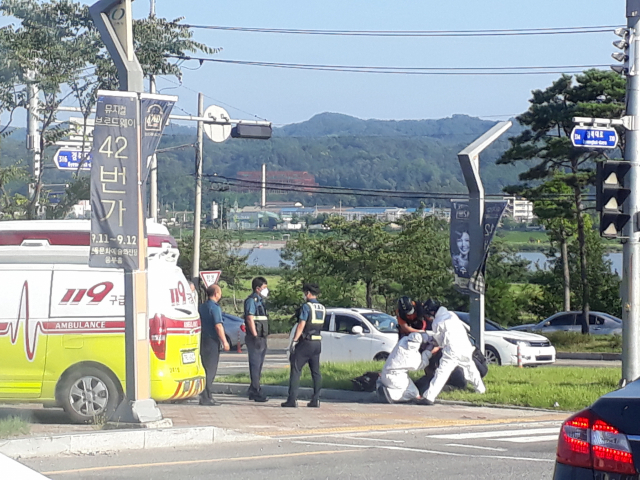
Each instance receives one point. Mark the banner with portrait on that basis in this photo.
(470, 278)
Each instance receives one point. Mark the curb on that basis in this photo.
(304, 393)
(123, 440)
(588, 356)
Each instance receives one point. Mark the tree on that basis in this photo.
(553, 207)
(54, 46)
(219, 250)
(546, 140)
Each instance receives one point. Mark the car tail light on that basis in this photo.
(243, 328)
(158, 336)
(589, 442)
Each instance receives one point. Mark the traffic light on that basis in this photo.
(248, 130)
(622, 56)
(611, 192)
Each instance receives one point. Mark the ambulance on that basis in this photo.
(62, 323)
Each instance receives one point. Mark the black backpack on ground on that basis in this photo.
(366, 382)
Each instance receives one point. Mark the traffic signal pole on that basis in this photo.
(631, 248)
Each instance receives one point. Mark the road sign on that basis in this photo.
(217, 133)
(594, 137)
(70, 158)
(211, 277)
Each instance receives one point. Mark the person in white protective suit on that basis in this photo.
(449, 332)
(407, 356)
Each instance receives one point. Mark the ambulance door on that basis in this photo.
(25, 292)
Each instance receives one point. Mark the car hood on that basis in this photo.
(516, 335)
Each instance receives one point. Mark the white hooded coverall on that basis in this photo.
(404, 358)
(452, 336)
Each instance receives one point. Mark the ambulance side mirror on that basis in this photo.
(357, 330)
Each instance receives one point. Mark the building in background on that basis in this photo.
(289, 180)
(520, 209)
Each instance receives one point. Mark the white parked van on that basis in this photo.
(62, 323)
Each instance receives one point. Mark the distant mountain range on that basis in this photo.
(342, 151)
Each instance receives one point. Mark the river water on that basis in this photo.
(270, 257)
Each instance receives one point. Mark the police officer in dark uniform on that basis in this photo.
(306, 345)
(257, 324)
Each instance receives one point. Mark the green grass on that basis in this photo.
(13, 426)
(571, 388)
(576, 342)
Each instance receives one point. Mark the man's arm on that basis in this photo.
(222, 337)
(249, 314)
(299, 330)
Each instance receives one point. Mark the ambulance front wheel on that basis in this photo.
(88, 395)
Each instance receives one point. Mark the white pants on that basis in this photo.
(398, 387)
(448, 363)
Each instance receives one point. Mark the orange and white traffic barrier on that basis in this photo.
(519, 355)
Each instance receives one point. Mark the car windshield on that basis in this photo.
(489, 325)
(381, 321)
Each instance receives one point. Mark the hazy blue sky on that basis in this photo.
(286, 96)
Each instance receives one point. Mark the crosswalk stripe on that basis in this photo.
(497, 433)
(541, 438)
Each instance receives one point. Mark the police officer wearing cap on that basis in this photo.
(410, 317)
(306, 345)
(257, 324)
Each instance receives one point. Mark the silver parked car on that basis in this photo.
(234, 329)
(599, 324)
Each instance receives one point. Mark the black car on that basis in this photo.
(602, 442)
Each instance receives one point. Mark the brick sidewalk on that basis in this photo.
(270, 419)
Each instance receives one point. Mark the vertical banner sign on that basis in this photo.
(155, 111)
(470, 278)
(114, 182)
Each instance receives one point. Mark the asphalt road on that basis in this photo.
(232, 362)
(524, 451)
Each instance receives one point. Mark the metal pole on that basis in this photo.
(33, 137)
(263, 198)
(153, 178)
(631, 248)
(195, 269)
(469, 159)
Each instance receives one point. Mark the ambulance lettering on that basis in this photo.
(32, 328)
(96, 293)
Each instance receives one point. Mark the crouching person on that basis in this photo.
(410, 354)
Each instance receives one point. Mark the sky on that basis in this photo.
(286, 96)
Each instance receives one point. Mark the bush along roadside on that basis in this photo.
(576, 342)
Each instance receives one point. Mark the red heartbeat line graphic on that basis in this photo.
(30, 330)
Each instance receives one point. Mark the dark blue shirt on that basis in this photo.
(210, 316)
(306, 310)
(251, 305)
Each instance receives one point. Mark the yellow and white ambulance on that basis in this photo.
(62, 323)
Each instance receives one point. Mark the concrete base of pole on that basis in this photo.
(136, 411)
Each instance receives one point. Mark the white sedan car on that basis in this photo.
(357, 334)
(501, 345)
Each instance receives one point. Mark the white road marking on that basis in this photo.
(435, 452)
(476, 446)
(374, 439)
(496, 434)
(542, 438)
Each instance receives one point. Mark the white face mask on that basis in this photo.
(264, 292)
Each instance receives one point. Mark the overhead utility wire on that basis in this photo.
(335, 190)
(519, 70)
(418, 33)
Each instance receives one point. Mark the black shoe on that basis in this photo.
(289, 404)
(424, 401)
(260, 398)
(208, 402)
(314, 404)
